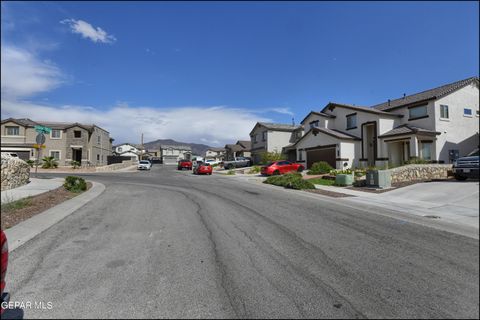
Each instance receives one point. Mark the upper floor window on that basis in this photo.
(12, 131)
(417, 112)
(264, 135)
(314, 124)
(119, 149)
(254, 138)
(56, 134)
(443, 112)
(352, 121)
(467, 112)
(77, 134)
(98, 139)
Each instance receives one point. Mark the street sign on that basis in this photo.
(40, 139)
(43, 129)
(38, 146)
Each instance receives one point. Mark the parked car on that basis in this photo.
(281, 167)
(237, 162)
(212, 162)
(184, 164)
(4, 259)
(144, 165)
(467, 167)
(202, 168)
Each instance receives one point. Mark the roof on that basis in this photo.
(407, 129)
(426, 95)
(332, 105)
(279, 126)
(246, 144)
(234, 147)
(335, 133)
(216, 149)
(179, 147)
(53, 125)
(326, 115)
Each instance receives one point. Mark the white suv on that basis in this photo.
(144, 165)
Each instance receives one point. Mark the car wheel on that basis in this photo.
(460, 178)
(300, 169)
(276, 173)
(230, 166)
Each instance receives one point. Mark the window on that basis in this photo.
(55, 154)
(98, 139)
(417, 112)
(426, 150)
(264, 135)
(478, 113)
(300, 155)
(254, 138)
(119, 149)
(443, 112)
(314, 124)
(351, 121)
(467, 112)
(77, 134)
(98, 157)
(56, 134)
(12, 131)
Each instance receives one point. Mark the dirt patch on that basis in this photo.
(329, 193)
(35, 205)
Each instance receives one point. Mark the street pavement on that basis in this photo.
(169, 244)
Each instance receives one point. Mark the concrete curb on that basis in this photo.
(26, 230)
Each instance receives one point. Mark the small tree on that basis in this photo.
(271, 156)
(320, 168)
(49, 162)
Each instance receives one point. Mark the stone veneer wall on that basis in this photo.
(413, 172)
(14, 172)
(116, 166)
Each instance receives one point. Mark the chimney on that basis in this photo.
(404, 95)
(389, 102)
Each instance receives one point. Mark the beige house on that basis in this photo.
(240, 149)
(435, 125)
(273, 137)
(87, 144)
(216, 154)
(171, 154)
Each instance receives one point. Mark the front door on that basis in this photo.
(370, 144)
(77, 155)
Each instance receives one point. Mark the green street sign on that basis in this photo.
(43, 129)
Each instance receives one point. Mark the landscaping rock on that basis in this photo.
(14, 172)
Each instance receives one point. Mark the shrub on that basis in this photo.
(254, 169)
(231, 172)
(290, 180)
(75, 164)
(75, 184)
(49, 162)
(31, 163)
(320, 167)
(271, 157)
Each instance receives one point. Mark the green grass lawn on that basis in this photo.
(323, 182)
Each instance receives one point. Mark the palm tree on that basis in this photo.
(49, 162)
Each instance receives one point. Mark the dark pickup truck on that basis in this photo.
(466, 167)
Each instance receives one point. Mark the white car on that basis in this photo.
(212, 162)
(144, 165)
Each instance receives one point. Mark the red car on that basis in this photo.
(5, 296)
(281, 167)
(184, 164)
(203, 168)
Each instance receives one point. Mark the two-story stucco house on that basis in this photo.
(272, 137)
(240, 149)
(216, 154)
(171, 154)
(128, 150)
(87, 144)
(433, 125)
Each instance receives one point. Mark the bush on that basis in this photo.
(75, 164)
(271, 157)
(31, 163)
(231, 172)
(49, 162)
(254, 169)
(320, 168)
(290, 180)
(75, 184)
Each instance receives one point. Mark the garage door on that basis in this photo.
(170, 160)
(24, 155)
(327, 155)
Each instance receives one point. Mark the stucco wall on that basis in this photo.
(277, 140)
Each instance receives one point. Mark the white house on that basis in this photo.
(171, 154)
(433, 125)
(216, 154)
(128, 150)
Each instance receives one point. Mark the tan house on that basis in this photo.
(171, 154)
(87, 144)
(216, 154)
(239, 149)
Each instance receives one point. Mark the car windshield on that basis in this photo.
(270, 163)
(144, 162)
(474, 153)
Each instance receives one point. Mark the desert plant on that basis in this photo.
(75, 184)
(31, 163)
(320, 167)
(290, 180)
(49, 162)
(75, 164)
(254, 169)
(266, 157)
(231, 172)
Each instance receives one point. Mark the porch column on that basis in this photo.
(414, 147)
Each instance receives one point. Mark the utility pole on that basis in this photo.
(143, 149)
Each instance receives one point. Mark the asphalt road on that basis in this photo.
(168, 244)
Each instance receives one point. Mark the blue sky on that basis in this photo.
(207, 71)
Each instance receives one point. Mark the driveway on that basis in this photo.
(169, 244)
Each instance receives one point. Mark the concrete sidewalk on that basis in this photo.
(450, 201)
(35, 187)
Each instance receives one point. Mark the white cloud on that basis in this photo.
(282, 111)
(23, 74)
(86, 30)
(214, 126)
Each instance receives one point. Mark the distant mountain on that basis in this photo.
(197, 149)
